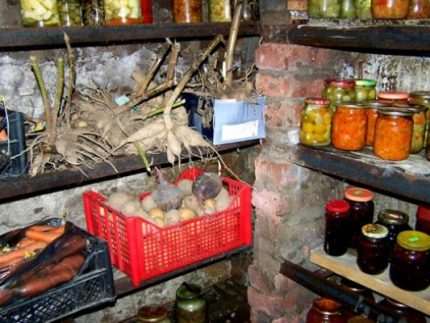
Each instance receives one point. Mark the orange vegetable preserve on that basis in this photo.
(372, 114)
(389, 9)
(349, 127)
(393, 134)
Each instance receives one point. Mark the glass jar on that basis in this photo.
(324, 8)
(353, 287)
(423, 219)
(93, 12)
(362, 9)
(146, 6)
(315, 122)
(36, 15)
(325, 310)
(393, 134)
(372, 249)
(187, 11)
(423, 98)
(347, 9)
(393, 97)
(190, 305)
(336, 236)
(152, 314)
(396, 222)
(361, 209)
(122, 12)
(390, 9)
(410, 261)
(419, 9)
(339, 91)
(349, 127)
(408, 315)
(372, 114)
(365, 90)
(70, 12)
(220, 11)
(418, 130)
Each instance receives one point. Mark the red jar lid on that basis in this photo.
(342, 83)
(391, 95)
(337, 206)
(319, 101)
(358, 194)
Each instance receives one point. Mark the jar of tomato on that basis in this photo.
(339, 91)
(365, 90)
(393, 134)
(315, 123)
(349, 127)
(187, 11)
(423, 98)
(336, 235)
(325, 310)
(393, 97)
(390, 9)
(418, 132)
(410, 261)
(372, 114)
(419, 9)
(122, 12)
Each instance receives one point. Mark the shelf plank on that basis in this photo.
(409, 178)
(346, 266)
(16, 38)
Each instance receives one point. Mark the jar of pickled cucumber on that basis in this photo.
(70, 12)
(324, 8)
(315, 124)
(390, 9)
(39, 13)
(362, 9)
(347, 9)
(418, 132)
(187, 11)
(365, 90)
(349, 127)
(93, 12)
(423, 98)
(220, 11)
(339, 91)
(393, 97)
(122, 12)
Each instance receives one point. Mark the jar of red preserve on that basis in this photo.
(336, 227)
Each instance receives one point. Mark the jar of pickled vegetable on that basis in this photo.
(325, 310)
(146, 6)
(339, 91)
(390, 9)
(408, 315)
(393, 134)
(315, 123)
(362, 9)
(39, 13)
(372, 249)
(365, 90)
(336, 235)
(423, 98)
(187, 11)
(372, 114)
(349, 127)
(419, 9)
(93, 12)
(410, 261)
(190, 305)
(324, 8)
(418, 132)
(347, 9)
(220, 10)
(392, 97)
(122, 12)
(70, 12)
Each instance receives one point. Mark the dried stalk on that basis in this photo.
(59, 94)
(42, 87)
(234, 30)
(71, 80)
(171, 67)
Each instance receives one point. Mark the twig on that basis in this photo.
(58, 96)
(171, 67)
(71, 80)
(234, 30)
(42, 87)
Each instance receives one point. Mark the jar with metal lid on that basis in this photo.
(361, 209)
(392, 97)
(393, 134)
(423, 219)
(315, 123)
(152, 314)
(396, 221)
(372, 249)
(363, 9)
(372, 114)
(36, 14)
(93, 12)
(349, 127)
(187, 11)
(325, 310)
(390, 9)
(146, 6)
(419, 9)
(423, 98)
(220, 11)
(122, 12)
(410, 261)
(407, 314)
(190, 305)
(336, 236)
(339, 91)
(70, 12)
(365, 90)
(324, 8)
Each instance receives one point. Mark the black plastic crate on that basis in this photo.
(13, 159)
(91, 288)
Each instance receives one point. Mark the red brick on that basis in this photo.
(282, 112)
(276, 175)
(268, 202)
(282, 284)
(274, 306)
(259, 281)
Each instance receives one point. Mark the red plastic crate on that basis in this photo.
(142, 250)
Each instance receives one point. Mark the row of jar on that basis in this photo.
(368, 9)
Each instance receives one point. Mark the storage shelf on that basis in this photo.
(18, 38)
(346, 266)
(409, 178)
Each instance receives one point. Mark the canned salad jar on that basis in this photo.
(372, 114)
(349, 127)
(315, 122)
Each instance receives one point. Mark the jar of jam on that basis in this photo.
(396, 222)
(410, 261)
(187, 11)
(220, 11)
(365, 90)
(336, 236)
(315, 123)
(349, 127)
(190, 305)
(390, 9)
(152, 314)
(339, 91)
(93, 12)
(361, 209)
(423, 219)
(39, 16)
(419, 128)
(372, 249)
(406, 314)
(146, 6)
(122, 12)
(419, 9)
(372, 114)
(393, 97)
(363, 9)
(324, 8)
(70, 12)
(393, 134)
(325, 310)
(423, 98)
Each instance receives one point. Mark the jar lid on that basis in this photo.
(151, 313)
(327, 306)
(188, 291)
(421, 94)
(352, 286)
(373, 104)
(395, 112)
(396, 303)
(374, 230)
(414, 240)
(319, 101)
(337, 206)
(392, 95)
(358, 194)
(341, 83)
(389, 216)
(365, 82)
(350, 106)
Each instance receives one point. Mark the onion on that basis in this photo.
(167, 196)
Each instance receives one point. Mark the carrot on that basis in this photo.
(22, 251)
(41, 228)
(46, 236)
(11, 261)
(24, 242)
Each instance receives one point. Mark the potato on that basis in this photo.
(223, 202)
(172, 217)
(156, 213)
(209, 206)
(191, 202)
(186, 213)
(148, 203)
(115, 200)
(130, 207)
(185, 185)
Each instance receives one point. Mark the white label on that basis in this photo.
(239, 131)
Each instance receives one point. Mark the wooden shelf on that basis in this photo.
(346, 266)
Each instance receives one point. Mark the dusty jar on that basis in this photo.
(187, 11)
(149, 314)
(349, 127)
(70, 12)
(190, 305)
(315, 122)
(37, 15)
(122, 12)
